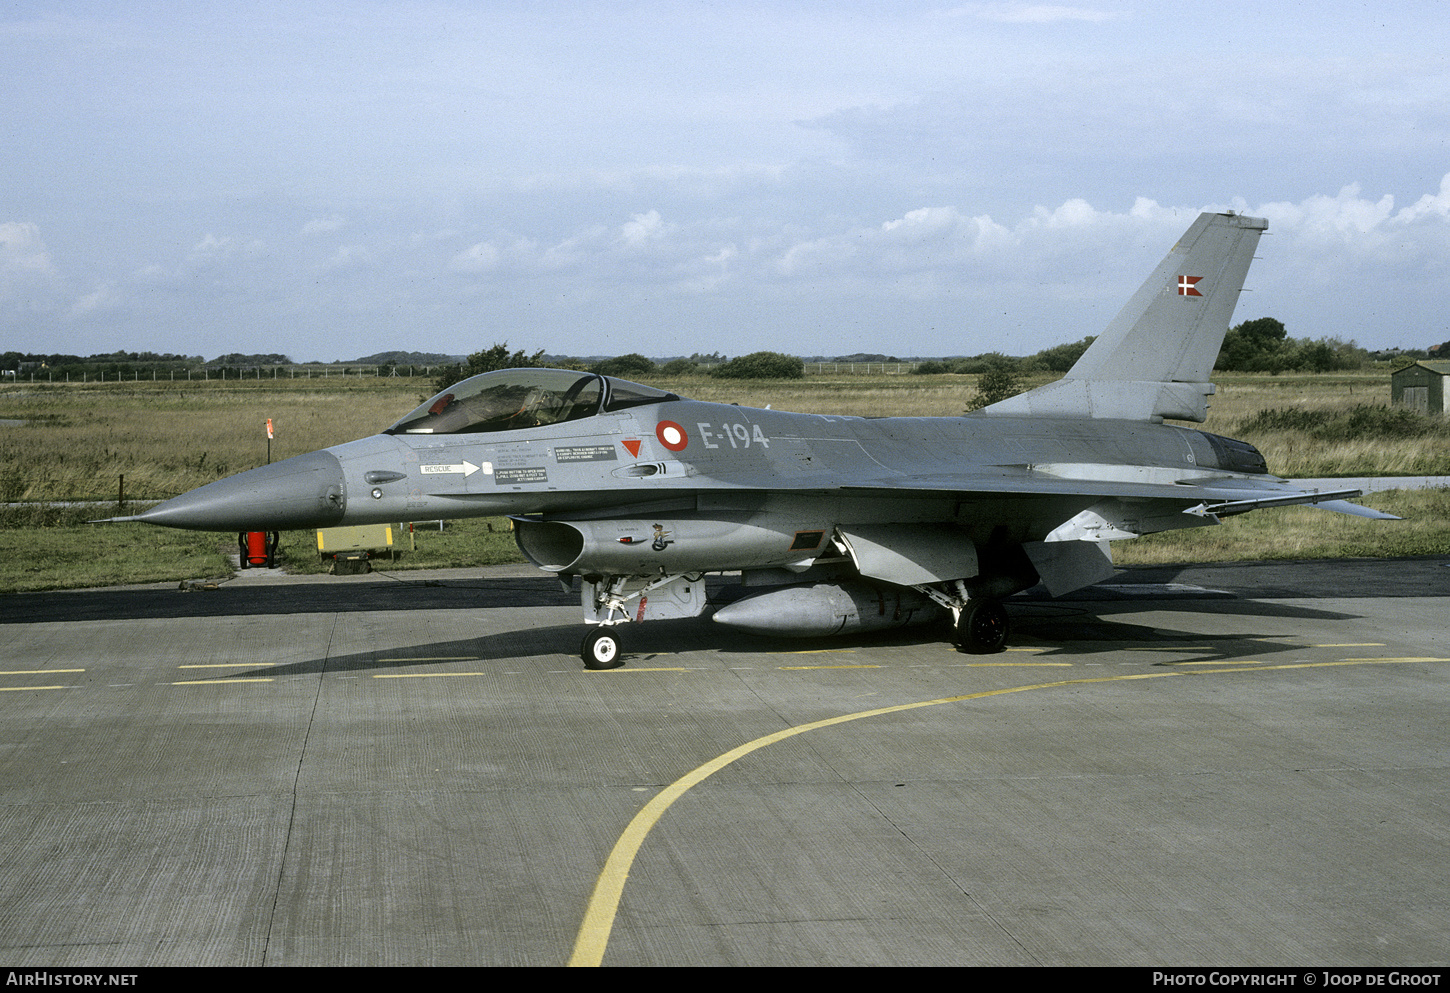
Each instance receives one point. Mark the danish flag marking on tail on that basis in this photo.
(1186, 286)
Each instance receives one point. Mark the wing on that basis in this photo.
(1071, 521)
(1220, 496)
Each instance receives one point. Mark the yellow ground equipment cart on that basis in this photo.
(353, 549)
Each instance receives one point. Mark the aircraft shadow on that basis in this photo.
(1079, 624)
(299, 598)
(1241, 583)
(1059, 630)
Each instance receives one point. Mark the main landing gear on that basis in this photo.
(979, 624)
(982, 627)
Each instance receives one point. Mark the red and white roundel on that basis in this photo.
(672, 436)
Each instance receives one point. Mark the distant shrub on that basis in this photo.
(626, 366)
(1364, 421)
(489, 360)
(761, 365)
(679, 367)
(995, 384)
(930, 368)
(1059, 358)
(977, 365)
(1284, 419)
(54, 515)
(1369, 420)
(1264, 346)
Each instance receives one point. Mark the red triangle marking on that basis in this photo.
(633, 446)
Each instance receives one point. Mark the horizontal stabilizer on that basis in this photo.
(1345, 507)
(1335, 500)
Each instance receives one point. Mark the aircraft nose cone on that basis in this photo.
(307, 491)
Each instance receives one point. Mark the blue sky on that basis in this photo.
(911, 178)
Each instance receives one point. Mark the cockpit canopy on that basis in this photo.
(513, 399)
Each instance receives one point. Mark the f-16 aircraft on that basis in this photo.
(835, 524)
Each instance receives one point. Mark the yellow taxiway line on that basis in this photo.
(593, 937)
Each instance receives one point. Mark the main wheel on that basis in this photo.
(601, 649)
(982, 628)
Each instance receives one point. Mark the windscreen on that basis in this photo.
(506, 400)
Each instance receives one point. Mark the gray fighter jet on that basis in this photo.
(835, 524)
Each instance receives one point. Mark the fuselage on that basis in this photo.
(659, 454)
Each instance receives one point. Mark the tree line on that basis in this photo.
(1261, 345)
(757, 365)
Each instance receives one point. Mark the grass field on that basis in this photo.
(69, 553)
(85, 442)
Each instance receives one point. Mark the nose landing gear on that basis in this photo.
(600, 649)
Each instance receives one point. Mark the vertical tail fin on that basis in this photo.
(1155, 358)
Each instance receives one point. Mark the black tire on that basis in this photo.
(601, 649)
(983, 628)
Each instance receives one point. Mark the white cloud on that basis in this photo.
(28, 279)
(482, 257)
(22, 253)
(349, 257)
(1350, 230)
(103, 297)
(945, 238)
(1429, 206)
(213, 251)
(1063, 271)
(642, 228)
(212, 247)
(576, 250)
(1074, 213)
(923, 223)
(1347, 217)
(819, 255)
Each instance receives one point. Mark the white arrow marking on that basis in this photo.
(467, 468)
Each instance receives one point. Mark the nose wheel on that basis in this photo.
(982, 628)
(601, 649)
